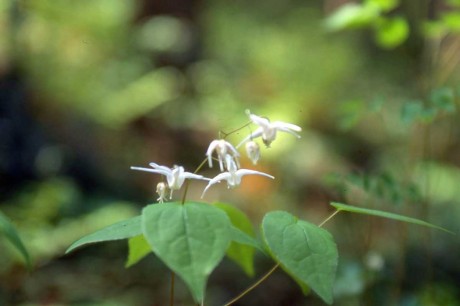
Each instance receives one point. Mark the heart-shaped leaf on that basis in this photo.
(242, 254)
(191, 239)
(304, 250)
(120, 230)
(138, 248)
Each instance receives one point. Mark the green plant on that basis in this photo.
(9, 231)
(191, 238)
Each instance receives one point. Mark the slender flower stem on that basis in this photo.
(234, 131)
(329, 218)
(250, 288)
(171, 291)
(188, 182)
(254, 285)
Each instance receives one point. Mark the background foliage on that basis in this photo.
(89, 88)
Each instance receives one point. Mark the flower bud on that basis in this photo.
(253, 151)
(161, 190)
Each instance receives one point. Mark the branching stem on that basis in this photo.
(233, 131)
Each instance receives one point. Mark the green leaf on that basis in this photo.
(384, 214)
(305, 251)
(191, 239)
(241, 237)
(240, 253)
(391, 32)
(120, 230)
(138, 249)
(7, 228)
(384, 5)
(351, 16)
(452, 21)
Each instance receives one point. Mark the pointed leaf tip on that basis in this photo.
(388, 215)
(120, 230)
(191, 239)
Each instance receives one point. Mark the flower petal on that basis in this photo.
(287, 130)
(280, 124)
(255, 134)
(156, 166)
(215, 180)
(189, 175)
(260, 121)
(163, 172)
(211, 148)
(243, 172)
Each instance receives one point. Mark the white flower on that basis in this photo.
(161, 190)
(253, 151)
(175, 176)
(222, 148)
(268, 129)
(233, 178)
(230, 164)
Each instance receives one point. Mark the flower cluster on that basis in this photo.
(227, 156)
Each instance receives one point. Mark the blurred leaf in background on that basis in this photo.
(105, 85)
(8, 230)
(389, 32)
(78, 56)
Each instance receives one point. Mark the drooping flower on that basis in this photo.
(174, 176)
(269, 129)
(161, 191)
(222, 148)
(253, 151)
(230, 164)
(233, 178)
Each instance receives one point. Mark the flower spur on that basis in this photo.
(174, 176)
(233, 176)
(269, 129)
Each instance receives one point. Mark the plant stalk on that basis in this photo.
(171, 291)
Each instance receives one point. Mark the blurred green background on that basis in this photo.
(89, 88)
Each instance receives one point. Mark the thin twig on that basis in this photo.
(253, 285)
(234, 131)
(188, 182)
(329, 218)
